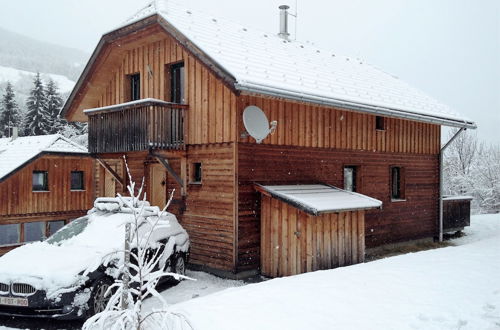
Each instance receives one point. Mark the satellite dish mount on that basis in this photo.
(256, 123)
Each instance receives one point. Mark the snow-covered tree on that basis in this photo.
(141, 268)
(9, 111)
(471, 168)
(37, 119)
(53, 106)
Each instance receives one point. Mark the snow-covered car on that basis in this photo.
(67, 275)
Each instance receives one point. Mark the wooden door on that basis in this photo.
(109, 188)
(157, 185)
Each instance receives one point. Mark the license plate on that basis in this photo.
(13, 301)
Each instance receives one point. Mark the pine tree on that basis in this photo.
(54, 105)
(9, 111)
(37, 120)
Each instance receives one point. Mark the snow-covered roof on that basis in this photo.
(317, 198)
(264, 63)
(16, 153)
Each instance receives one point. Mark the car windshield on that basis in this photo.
(72, 229)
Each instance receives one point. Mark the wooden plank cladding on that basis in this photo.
(412, 218)
(212, 115)
(308, 125)
(23, 201)
(294, 242)
(209, 217)
(143, 126)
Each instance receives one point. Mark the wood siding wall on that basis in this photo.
(210, 207)
(208, 211)
(306, 125)
(23, 201)
(416, 217)
(294, 242)
(211, 116)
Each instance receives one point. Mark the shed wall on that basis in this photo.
(294, 242)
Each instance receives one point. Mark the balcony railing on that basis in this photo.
(136, 126)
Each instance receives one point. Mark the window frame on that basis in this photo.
(48, 232)
(43, 226)
(71, 188)
(19, 234)
(356, 177)
(173, 84)
(380, 123)
(45, 186)
(401, 197)
(194, 175)
(130, 91)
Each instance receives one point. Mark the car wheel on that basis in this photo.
(99, 300)
(180, 266)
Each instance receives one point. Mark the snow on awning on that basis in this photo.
(316, 199)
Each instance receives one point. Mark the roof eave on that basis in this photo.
(359, 107)
(105, 39)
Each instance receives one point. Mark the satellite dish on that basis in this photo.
(256, 123)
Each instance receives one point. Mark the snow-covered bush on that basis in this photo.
(140, 269)
(471, 168)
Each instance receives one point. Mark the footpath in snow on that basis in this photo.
(457, 287)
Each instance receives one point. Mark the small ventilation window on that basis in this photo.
(196, 173)
(380, 123)
(397, 183)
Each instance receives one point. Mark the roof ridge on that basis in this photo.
(65, 139)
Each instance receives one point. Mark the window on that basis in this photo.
(34, 231)
(77, 180)
(54, 226)
(40, 181)
(397, 183)
(380, 123)
(350, 178)
(10, 234)
(196, 173)
(135, 86)
(177, 83)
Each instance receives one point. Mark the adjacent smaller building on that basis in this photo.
(45, 181)
(310, 227)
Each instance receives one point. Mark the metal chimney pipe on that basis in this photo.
(284, 22)
(13, 133)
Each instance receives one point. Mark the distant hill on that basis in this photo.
(24, 53)
(21, 57)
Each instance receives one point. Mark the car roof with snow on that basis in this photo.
(17, 152)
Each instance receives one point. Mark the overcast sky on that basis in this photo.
(450, 49)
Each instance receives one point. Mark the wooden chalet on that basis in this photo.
(44, 182)
(168, 88)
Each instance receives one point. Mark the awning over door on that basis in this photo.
(317, 199)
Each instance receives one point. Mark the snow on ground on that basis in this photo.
(202, 285)
(14, 75)
(456, 287)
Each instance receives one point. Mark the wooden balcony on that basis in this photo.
(136, 126)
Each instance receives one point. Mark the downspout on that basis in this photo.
(441, 180)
